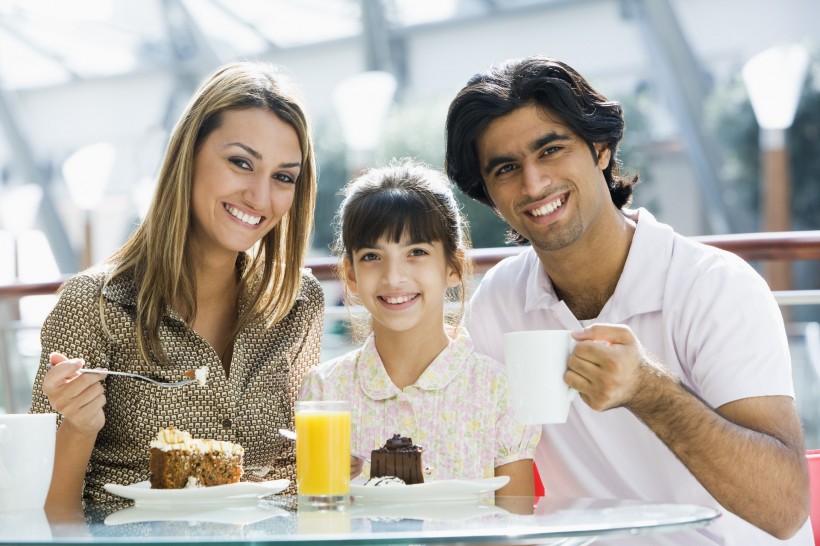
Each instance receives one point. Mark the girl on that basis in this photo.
(402, 247)
(213, 277)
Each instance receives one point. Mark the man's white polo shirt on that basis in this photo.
(705, 313)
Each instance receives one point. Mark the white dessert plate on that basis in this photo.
(142, 493)
(441, 490)
(243, 514)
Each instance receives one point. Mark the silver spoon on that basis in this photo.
(138, 376)
(290, 435)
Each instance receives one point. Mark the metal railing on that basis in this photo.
(787, 245)
(753, 247)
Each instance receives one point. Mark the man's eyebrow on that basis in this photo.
(549, 138)
(496, 161)
(537, 144)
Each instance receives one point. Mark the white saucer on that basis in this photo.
(142, 493)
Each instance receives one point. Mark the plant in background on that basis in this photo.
(632, 152)
(333, 174)
(416, 129)
(804, 144)
(732, 121)
(736, 129)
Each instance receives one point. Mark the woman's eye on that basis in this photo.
(241, 163)
(368, 257)
(284, 177)
(418, 252)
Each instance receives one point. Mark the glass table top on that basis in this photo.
(277, 519)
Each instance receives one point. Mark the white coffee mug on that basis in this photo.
(26, 459)
(25, 526)
(536, 362)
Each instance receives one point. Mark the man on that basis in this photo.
(682, 362)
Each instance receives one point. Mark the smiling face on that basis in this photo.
(542, 178)
(402, 284)
(244, 181)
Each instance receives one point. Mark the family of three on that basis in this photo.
(681, 359)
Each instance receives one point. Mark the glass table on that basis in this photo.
(277, 520)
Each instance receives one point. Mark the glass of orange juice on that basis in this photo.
(323, 454)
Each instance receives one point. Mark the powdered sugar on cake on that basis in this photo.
(384, 481)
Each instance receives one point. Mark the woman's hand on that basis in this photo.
(78, 397)
(356, 466)
(80, 400)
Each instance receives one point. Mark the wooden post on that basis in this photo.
(776, 202)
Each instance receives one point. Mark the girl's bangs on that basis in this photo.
(392, 215)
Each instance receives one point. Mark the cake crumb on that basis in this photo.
(199, 374)
(193, 483)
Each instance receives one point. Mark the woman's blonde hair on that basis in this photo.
(158, 253)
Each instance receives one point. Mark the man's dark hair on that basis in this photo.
(549, 84)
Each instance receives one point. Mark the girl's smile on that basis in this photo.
(394, 301)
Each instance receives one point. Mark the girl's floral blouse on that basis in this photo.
(458, 410)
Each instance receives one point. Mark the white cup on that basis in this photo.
(26, 459)
(536, 361)
(25, 526)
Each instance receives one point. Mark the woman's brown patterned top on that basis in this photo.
(247, 407)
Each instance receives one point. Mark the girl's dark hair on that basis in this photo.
(404, 197)
(552, 85)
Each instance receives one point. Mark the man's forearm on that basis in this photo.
(748, 454)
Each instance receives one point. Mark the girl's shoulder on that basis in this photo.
(463, 343)
(483, 366)
(475, 364)
(341, 365)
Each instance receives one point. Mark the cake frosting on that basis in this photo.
(384, 481)
(200, 375)
(171, 438)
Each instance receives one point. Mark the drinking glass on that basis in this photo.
(323, 454)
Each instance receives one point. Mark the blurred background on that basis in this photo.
(722, 101)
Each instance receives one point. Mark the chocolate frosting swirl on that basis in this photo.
(400, 443)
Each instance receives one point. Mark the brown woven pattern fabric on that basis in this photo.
(248, 407)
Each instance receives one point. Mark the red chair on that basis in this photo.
(813, 457)
(539, 485)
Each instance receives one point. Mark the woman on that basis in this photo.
(213, 277)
